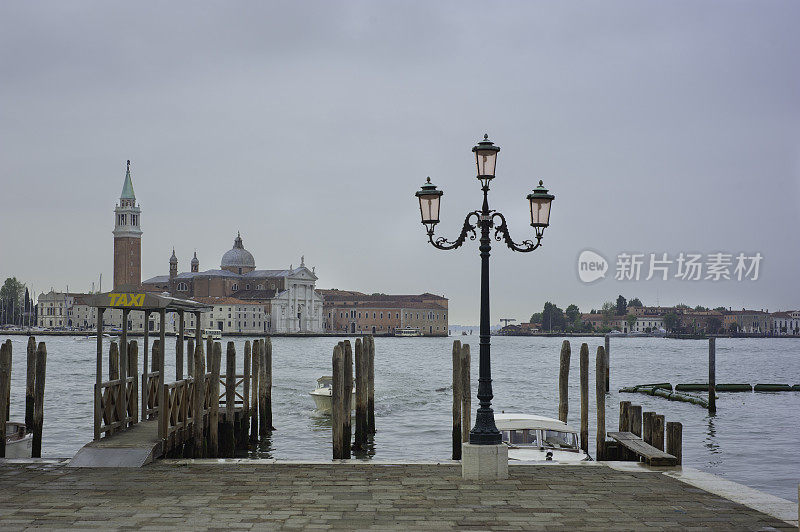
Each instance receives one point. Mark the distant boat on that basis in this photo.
(94, 337)
(214, 334)
(18, 440)
(407, 331)
(464, 333)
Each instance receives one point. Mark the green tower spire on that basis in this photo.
(127, 188)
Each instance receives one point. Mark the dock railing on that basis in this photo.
(115, 406)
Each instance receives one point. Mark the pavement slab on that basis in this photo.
(170, 495)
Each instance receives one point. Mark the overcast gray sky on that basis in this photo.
(659, 126)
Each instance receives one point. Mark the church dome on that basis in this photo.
(238, 259)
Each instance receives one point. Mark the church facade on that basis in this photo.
(288, 297)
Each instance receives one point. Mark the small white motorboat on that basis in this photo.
(18, 440)
(322, 395)
(539, 438)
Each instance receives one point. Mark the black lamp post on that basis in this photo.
(485, 431)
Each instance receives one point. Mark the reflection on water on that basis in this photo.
(413, 400)
(711, 436)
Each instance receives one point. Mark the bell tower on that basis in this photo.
(127, 239)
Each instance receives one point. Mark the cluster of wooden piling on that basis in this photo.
(462, 397)
(342, 396)
(230, 418)
(34, 392)
(653, 431)
(601, 383)
(210, 412)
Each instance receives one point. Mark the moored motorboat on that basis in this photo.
(18, 440)
(322, 395)
(539, 438)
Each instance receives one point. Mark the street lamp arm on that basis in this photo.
(468, 229)
(501, 235)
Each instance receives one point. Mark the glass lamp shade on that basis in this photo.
(486, 158)
(429, 199)
(540, 202)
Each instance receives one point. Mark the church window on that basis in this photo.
(236, 286)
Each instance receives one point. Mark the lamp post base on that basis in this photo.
(484, 462)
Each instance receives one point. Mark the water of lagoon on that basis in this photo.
(752, 439)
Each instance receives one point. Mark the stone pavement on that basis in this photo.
(187, 495)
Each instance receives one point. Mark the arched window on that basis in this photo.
(235, 287)
(247, 287)
(182, 287)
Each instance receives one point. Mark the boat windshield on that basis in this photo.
(560, 440)
(522, 437)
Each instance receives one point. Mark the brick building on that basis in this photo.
(355, 312)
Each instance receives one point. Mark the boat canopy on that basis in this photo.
(528, 421)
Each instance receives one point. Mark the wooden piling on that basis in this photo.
(712, 375)
(337, 402)
(245, 428)
(209, 351)
(601, 403)
(263, 427)
(38, 400)
(267, 358)
(360, 443)
(371, 384)
(155, 355)
(457, 400)
(5, 391)
(133, 371)
(466, 394)
(608, 362)
(229, 449)
(647, 427)
(635, 419)
(213, 408)
(624, 416)
(179, 347)
(563, 382)
(30, 379)
(675, 440)
(199, 401)
(584, 377)
(113, 361)
(190, 357)
(658, 432)
(255, 402)
(348, 397)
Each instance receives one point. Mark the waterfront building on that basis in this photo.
(648, 324)
(354, 312)
(785, 323)
(229, 315)
(288, 297)
(750, 321)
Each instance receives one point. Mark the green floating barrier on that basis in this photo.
(657, 385)
(734, 388)
(796, 388)
(692, 387)
(772, 388)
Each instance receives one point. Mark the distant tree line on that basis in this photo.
(16, 305)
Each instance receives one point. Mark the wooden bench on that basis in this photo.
(649, 454)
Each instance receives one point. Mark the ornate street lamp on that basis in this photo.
(485, 431)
